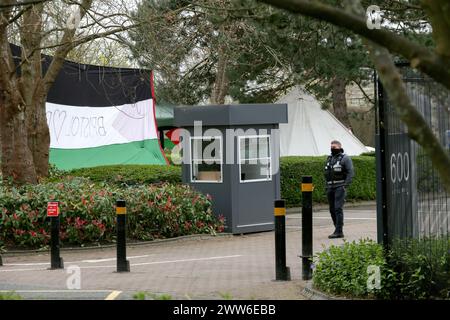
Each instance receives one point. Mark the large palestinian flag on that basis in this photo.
(100, 116)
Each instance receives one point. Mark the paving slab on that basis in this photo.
(208, 267)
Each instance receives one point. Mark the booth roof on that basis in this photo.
(231, 115)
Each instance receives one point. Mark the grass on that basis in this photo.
(139, 296)
(226, 295)
(142, 295)
(10, 296)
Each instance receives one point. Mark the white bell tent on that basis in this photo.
(311, 129)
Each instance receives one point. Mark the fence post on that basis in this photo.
(122, 264)
(382, 160)
(307, 224)
(56, 261)
(282, 272)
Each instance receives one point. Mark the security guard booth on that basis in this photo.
(231, 152)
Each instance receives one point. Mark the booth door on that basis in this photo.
(256, 191)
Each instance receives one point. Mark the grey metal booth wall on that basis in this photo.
(247, 207)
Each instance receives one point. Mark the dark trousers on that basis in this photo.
(336, 199)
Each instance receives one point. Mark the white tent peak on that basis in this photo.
(311, 129)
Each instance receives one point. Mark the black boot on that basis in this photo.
(336, 234)
(339, 225)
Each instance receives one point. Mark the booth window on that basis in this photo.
(255, 158)
(206, 159)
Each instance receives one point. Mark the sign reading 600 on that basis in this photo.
(399, 167)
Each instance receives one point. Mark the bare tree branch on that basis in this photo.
(63, 50)
(18, 15)
(432, 64)
(439, 13)
(21, 3)
(91, 37)
(364, 92)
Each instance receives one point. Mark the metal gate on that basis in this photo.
(411, 200)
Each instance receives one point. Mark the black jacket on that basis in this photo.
(339, 171)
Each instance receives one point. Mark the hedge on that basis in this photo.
(292, 169)
(130, 174)
(88, 215)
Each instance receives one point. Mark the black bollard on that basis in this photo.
(1, 261)
(122, 264)
(56, 261)
(282, 272)
(307, 227)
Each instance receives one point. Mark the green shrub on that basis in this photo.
(292, 169)
(130, 174)
(343, 270)
(411, 269)
(55, 173)
(422, 268)
(88, 216)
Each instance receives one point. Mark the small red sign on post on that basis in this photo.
(52, 209)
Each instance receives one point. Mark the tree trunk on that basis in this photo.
(32, 89)
(220, 87)
(23, 168)
(17, 159)
(7, 148)
(6, 130)
(39, 136)
(340, 101)
(42, 147)
(221, 84)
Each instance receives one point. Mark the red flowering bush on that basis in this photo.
(88, 214)
(163, 211)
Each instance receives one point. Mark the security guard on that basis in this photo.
(338, 175)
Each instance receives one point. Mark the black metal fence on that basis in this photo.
(412, 203)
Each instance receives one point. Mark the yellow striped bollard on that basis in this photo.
(123, 265)
(282, 272)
